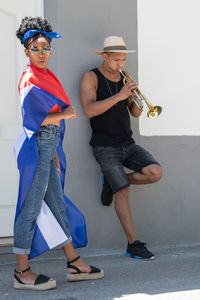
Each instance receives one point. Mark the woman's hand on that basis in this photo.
(57, 162)
(69, 113)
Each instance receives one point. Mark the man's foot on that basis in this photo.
(106, 194)
(139, 250)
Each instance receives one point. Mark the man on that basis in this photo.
(107, 102)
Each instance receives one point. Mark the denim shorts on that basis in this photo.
(113, 160)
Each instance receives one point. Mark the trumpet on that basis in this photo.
(139, 98)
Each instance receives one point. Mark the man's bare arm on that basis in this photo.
(133, 108)
(88, 96)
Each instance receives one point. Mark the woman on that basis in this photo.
(44, 106)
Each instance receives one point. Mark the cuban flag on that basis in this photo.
(39, 92)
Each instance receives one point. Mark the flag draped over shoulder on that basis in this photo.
(39, 92)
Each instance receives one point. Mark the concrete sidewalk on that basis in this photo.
(175, 274)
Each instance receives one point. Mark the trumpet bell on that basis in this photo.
(154, 112)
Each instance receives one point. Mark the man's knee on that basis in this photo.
(154, 172)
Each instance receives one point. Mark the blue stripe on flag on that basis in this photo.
(40, 246)
(35, 107)
(27, 163)
(76, 223)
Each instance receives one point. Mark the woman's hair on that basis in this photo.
(29, 23)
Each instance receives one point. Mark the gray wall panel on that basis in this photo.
(164, 213)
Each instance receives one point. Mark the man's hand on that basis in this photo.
(128, 90)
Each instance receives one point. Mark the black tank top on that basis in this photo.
(112, 128)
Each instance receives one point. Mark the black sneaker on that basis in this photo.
(139, 250)
(106, 194)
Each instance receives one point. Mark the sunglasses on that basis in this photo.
(45, 50)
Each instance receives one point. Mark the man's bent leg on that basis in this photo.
(149, 174)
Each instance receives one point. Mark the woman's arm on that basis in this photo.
(54, 118)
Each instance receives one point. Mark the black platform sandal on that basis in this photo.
(41, 283)
(95, 273)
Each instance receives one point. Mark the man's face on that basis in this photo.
(114, 61)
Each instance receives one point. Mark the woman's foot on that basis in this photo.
(26, 279)
(78, 270)
(83, 267)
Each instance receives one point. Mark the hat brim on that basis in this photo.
(115, 51)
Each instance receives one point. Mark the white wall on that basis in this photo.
(169, 64)
(12, 64)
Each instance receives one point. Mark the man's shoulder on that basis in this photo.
(89, 76)
(90, 73)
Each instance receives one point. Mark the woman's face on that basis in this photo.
(39, 53)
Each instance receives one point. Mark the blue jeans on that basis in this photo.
(46, 186)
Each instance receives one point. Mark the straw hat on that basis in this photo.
(114, 44)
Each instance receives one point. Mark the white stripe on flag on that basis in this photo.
(19, 142)
(29, 133)
(49, 227)
(24, 92)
